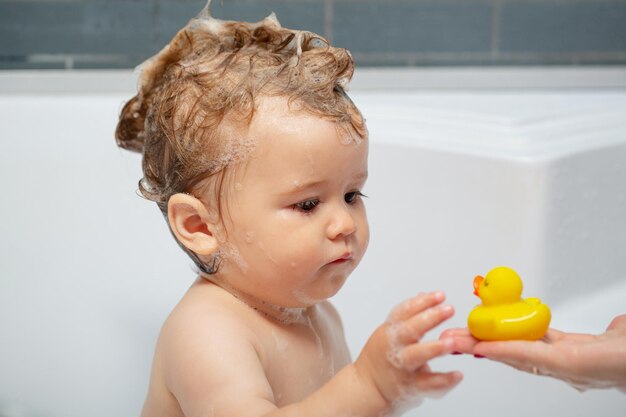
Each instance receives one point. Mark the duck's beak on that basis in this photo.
(477, 281)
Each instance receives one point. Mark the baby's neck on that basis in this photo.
(283, 315)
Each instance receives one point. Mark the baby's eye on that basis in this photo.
(307, 205)
(351, 197)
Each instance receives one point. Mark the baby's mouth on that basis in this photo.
(347, 257)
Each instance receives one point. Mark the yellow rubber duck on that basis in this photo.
(503, 314)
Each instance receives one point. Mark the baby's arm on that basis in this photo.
(222, 375)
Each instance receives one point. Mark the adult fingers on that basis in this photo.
(535, 357)
(617, 322)
(554, 336)
(506, 351)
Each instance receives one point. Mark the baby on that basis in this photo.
(257, 158)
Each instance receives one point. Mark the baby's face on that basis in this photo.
(295, 220)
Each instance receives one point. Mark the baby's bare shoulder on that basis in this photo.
(205, 313)
(207, 351)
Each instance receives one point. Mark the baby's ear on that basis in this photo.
(189, 221)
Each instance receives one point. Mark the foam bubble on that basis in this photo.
(230, 253)
(395, 348)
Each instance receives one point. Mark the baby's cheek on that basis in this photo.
(249, 237)
(363, 229)
(262, 247)
(362, 242)
(290, 254)
(267, 253)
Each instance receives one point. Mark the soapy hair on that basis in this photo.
(198, 95)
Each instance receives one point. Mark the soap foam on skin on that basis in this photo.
(230, 253)
(394, 354)
(285, 315)
(304, 299)
(318, 340)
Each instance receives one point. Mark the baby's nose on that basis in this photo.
(342, 223)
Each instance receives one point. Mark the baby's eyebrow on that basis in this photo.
(298, 187)
(362, 176)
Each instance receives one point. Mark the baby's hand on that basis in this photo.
(396, 363)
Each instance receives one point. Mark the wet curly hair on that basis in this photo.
(214, 68)
(211, 76)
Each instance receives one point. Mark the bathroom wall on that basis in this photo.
(67, 34)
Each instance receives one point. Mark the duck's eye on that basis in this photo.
(351, 197)
(307, 205)
(486, 283)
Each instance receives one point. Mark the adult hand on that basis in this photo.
(582, 360)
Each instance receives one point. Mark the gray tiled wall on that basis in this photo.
(122, 33)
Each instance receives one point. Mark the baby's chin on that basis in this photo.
(301, 299)
(305, 300)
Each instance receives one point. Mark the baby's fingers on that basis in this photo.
(415, 327)
(455, 332)
(437, 384)
(416, 355)
(415, 305)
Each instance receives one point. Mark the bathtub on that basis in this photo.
(460, 181)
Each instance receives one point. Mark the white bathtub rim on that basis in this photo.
(365, 79)
(576, 121)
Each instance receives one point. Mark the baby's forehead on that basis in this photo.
(277, 121)
(277, 106)
(278, 113)
(298, 135)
